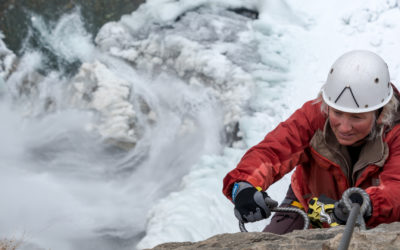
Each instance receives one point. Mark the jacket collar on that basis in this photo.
(373, 152)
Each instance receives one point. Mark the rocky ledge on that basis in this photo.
(385, 236)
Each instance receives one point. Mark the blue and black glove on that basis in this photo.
(250, 204)
(341, 213)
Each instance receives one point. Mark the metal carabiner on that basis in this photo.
(325, 217)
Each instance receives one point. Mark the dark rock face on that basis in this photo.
(14, 17)
(385, 236)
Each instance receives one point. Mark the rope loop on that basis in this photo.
(364, 207)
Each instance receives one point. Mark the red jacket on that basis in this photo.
(306, 142)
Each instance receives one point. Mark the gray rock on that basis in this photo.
(385, 236)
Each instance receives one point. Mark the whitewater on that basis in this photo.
(128, 150)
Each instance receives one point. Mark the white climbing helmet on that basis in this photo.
(358, 82)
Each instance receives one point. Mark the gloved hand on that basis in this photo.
(250, 204)
(341, 213)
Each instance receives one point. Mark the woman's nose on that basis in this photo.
(345, 125)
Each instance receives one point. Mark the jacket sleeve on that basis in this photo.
(385, 197)
(279, 152)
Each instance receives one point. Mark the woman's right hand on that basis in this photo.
(250, 204)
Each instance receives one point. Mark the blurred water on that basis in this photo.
(65, 186)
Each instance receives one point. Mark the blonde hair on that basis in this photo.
(388, 114)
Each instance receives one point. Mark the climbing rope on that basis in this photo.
(283, 209)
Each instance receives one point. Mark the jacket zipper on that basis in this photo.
(332, 163)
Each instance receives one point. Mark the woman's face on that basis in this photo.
(350, 128)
